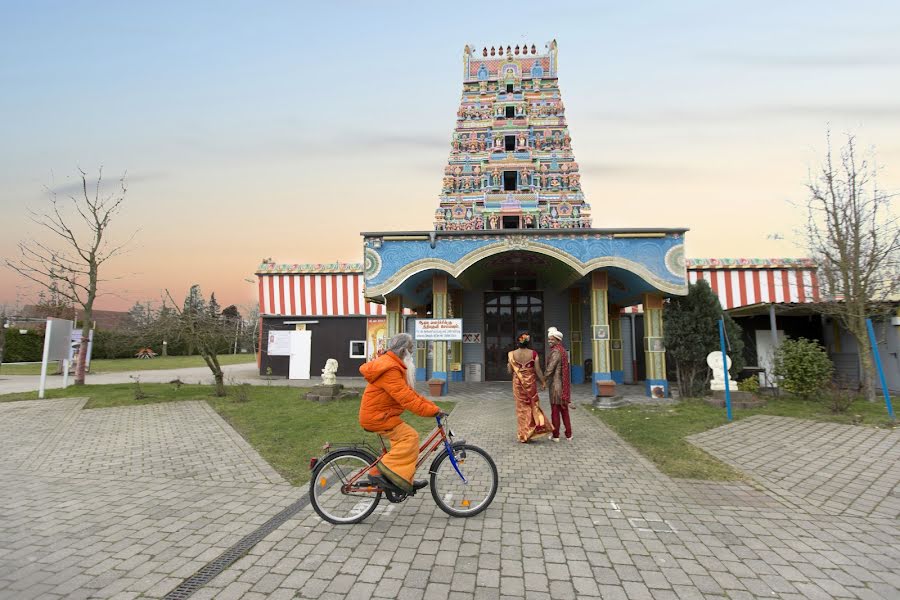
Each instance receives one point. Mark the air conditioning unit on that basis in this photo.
(473, 372)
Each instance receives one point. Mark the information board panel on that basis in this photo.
(439, 330)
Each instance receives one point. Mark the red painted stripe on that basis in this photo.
(271, 295)
(742, 287)
(313, 289)
(801, 293)
(714, 282)
(729, 297)
(770, 276)
(291, 294)
(301, 301)
(699, 275)
(756, 287)
(348, 310)
(815, 286)
(334, 296)
(356, 295)
(262, 299)
(281, 279)
(787, 286)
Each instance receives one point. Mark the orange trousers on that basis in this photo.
(399, 464)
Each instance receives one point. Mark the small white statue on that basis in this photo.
(329, 373)
(714, 362)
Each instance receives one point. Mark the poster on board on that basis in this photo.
(439, 330)
(376, 336)
(279, 343)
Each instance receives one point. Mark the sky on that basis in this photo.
(251, 130)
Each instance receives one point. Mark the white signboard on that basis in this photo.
(439, 329)
(279, 343)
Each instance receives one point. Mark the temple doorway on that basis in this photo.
(506, 314)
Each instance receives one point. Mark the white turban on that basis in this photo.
(555, 333)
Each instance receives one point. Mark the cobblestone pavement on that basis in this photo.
(589, 518)
(838, 468)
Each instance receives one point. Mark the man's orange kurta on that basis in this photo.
(387, 395)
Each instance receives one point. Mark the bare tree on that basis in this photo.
(205, 330)
(70, 264)
(855, 238)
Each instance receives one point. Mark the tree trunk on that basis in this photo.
(83, 348)
(220, 383)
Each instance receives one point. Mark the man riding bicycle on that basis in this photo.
(390, 390)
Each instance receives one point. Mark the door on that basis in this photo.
(506, 315)
(301, 347)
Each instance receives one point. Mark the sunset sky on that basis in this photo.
(274, 129)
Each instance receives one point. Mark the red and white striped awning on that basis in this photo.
(742, 287)
(315, 295)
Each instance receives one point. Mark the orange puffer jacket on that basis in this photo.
(388, 395)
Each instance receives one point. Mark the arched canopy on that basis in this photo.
(639, 261)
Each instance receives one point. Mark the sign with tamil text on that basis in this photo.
(439, 329)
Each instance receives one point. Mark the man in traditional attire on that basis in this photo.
(559, 380)
(391, 380)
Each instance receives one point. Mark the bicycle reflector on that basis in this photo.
(313, 462)
(465, 503)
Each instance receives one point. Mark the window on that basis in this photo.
(358, 349)
(509, 88)
(510, 143)
(510, 222)
(509, 181)
(510, 112)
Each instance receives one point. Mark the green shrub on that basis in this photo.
(750, 384)
(24, 347)
(803, 366)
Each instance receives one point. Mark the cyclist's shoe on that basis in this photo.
(418, 484)
(379, 481)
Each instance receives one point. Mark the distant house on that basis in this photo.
(107, 320)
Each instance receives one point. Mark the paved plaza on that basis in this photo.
(130, 502)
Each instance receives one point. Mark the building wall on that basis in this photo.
(331, 337)
(473, 322)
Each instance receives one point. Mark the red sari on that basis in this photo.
(530, 419)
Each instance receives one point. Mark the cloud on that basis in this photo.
(73, 185)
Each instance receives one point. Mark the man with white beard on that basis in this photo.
(391, 389)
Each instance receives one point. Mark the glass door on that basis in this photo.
(506, 315)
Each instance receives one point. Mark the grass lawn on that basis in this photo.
(105, 365)
(285, 429)
(658, 432)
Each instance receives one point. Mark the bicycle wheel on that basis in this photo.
(325, 488)
(460, 498)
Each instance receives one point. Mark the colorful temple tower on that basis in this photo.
(513, 248)
(511, 164)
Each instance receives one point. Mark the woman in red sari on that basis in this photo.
(525, 366)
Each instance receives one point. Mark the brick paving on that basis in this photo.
(127, 502)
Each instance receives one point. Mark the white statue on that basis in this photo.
(329, 373)
(714, 362)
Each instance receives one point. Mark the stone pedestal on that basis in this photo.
(606, 388)
(606, 402)
(324, 393)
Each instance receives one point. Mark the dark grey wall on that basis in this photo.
(331, 338)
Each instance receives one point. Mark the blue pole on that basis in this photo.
(725, 367)
(884, 388)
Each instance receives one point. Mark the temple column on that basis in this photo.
(455, 360)
(654, 347)
(394, 310)
(439, 309)
(421, 350)
(615, 346)
(600, 335)
(576, 357)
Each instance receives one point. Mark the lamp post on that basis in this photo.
(165, 348)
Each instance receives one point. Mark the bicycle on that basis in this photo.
(463, 478)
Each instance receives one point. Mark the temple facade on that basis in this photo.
(513, 246)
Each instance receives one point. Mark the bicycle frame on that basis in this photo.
(426, 449)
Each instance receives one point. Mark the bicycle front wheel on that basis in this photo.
(326, 493)
(467, 498)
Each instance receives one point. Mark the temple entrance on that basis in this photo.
(506, 314)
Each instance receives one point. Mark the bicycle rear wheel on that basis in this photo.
(326, 492)
(467, 498)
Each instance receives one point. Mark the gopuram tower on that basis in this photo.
(511, 164)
